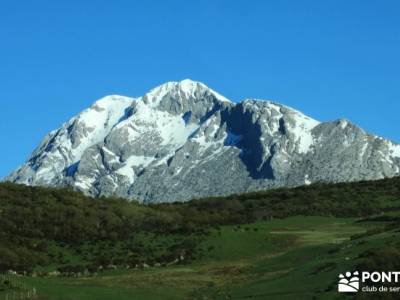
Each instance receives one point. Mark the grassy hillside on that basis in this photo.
(278, 244)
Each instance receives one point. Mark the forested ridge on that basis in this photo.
(40, 226)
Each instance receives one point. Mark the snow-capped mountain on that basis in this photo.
(182, 140)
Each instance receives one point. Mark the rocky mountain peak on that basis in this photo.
(181, 91)
(183, 140)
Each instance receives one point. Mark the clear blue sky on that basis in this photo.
(329, 59)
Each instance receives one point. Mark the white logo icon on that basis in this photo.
(349, 283)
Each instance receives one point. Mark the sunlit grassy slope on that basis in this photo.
(295, 258)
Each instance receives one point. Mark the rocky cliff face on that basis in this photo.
(182, 140)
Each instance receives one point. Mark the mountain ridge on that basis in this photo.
(183, 140)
